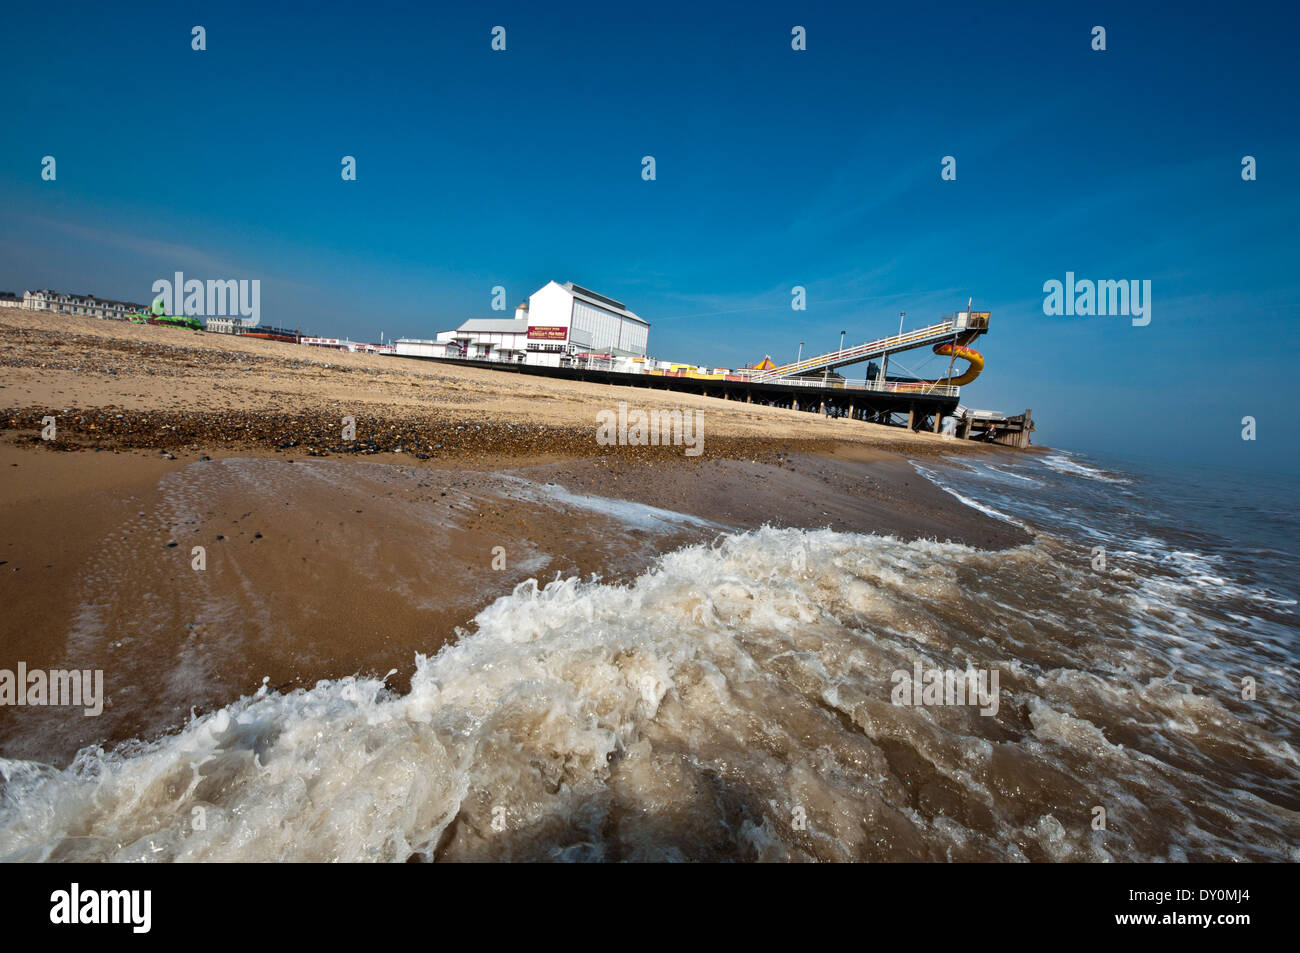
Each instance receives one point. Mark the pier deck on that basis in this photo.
(894, 404)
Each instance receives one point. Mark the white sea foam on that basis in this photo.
(639, 515)
(1000, 471)
(984, 508)
(1063, 463)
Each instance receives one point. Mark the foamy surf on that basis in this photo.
(734, 702)
(1063, 462)
(627, 512)
(974, 504)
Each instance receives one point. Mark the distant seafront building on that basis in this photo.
(10, 300)
(344, 344)
(59, 302)
(560, 321)
(227, 325)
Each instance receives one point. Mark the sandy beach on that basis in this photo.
(326, 558)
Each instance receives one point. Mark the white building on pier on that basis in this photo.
(559, 323)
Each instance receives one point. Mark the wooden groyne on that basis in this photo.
(992, 427)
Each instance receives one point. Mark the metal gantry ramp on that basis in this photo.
(966, 324)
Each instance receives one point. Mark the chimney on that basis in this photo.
(521, 312)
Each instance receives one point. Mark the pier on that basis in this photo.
(883, 402)
(809, 385)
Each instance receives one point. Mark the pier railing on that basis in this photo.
(973, 414)
(880, 387)
(862, 352)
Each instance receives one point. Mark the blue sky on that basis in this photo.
(775, 168)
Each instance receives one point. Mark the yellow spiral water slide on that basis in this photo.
(959, 349)
(973, 368)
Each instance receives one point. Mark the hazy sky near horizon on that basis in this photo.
(775, 168)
